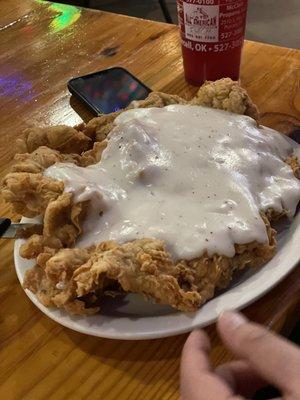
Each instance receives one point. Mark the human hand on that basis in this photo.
(263, 358)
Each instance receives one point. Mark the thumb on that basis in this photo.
(273, 358)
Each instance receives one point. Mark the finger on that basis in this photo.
(240, 377)
(197, 379)
(274, 358)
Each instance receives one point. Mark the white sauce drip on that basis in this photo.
(192, 176)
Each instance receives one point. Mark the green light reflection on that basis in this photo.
(66, 15)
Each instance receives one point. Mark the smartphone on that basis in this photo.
(107, 91)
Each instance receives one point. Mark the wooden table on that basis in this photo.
(43, 45)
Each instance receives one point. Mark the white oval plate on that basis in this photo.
(132, 318)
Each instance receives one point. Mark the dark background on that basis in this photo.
(270, 21)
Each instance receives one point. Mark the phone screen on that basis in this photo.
(109, 90)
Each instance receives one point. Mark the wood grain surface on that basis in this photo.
(43, 45)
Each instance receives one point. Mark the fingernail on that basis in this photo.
(232, 319)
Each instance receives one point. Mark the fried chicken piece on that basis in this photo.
(141, 266)
(144, 266)
(94, 155)
(42, 158)
(98, 128)
(53, 286)
(76, 307)
(30, 193)
(62, 225)
(227, 95)
(61, 137)
(38, 244)
(63, 219)
(96, 271)
(206, 274)
(37, 282)
(65, 262)
(157, 99)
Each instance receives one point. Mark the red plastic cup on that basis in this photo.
(212, 37)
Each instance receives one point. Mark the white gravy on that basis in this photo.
(192, 176)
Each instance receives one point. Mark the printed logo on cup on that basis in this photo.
(201, 22)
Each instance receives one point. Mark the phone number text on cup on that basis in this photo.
(202, 2)
(209, 47)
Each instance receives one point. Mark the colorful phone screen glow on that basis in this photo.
(108, 91)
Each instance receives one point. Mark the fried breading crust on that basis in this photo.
(142, 266)
(62, 137)
(226, 95)
(293, 162)
(30, 193)
(75, 279)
